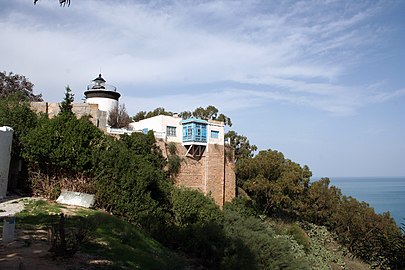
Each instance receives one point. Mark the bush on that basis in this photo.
(130, 180)
(15, 112)
(192, 207)
(299, 235)
(270, 252)
(62, 146)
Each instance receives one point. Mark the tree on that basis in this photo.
(14, 83)
(275, 184)
(118, 117)
(209, 113)
(66, 105)
(62, 146)
(144, 115)
(240, 144)
(321, 203)
(15, 112)
(139, 116)
(130, 180)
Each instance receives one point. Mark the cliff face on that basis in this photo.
(212, 172)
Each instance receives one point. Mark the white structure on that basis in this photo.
(102, 94)
(6, 138)
(189, 131)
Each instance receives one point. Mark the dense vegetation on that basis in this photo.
(279, 223)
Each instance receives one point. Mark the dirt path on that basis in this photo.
(29, 250)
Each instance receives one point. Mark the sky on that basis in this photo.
(321, 81)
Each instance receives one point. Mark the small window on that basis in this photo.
(145, 131)
(171, 131)
(214, 134)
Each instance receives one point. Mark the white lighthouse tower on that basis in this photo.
(105, 95)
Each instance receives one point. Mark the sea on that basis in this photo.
(382, 193)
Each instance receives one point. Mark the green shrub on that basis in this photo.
(270, 251)
(174, 164)
(192, 207)
(15, 112)
(299, 235)
(62, 145)
(130, 180)
(171, 146)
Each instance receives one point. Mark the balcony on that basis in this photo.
(194, 131)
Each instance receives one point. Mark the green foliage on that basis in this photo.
(15, 112)
(144, 115)
(368, 235)
(270, 251)
(108, 237)
(275, 184)
(209, 113)
(194, 228)
(67, 104)
(173, 160)
(372, 237)
(130, 180)
(171, 146)
(323, 251)
(241, 146)
(13, 83)
(321, 202)
(192, 207)
(299, 235)
(62, 145)
(174, 164)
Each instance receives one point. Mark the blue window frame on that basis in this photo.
(195, 132)
(214, 134)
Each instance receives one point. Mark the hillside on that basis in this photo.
(109, 242)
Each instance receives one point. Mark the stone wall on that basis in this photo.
(97, 117)
(213, 173)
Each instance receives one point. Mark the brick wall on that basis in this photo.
(213, 174)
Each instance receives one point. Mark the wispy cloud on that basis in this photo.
(297, 52)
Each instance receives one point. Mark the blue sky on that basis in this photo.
(321, 81)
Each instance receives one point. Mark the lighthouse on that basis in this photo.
(102, 94)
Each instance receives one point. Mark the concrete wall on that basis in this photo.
(6, 138)
(159, 124)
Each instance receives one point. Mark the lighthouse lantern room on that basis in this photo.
(105, 95)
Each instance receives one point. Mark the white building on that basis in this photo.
(176, 129)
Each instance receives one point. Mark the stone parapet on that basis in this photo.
(97, 117)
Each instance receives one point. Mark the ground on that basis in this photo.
(109, 242)
(30, 248)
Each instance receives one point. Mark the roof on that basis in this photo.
(194, 120)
